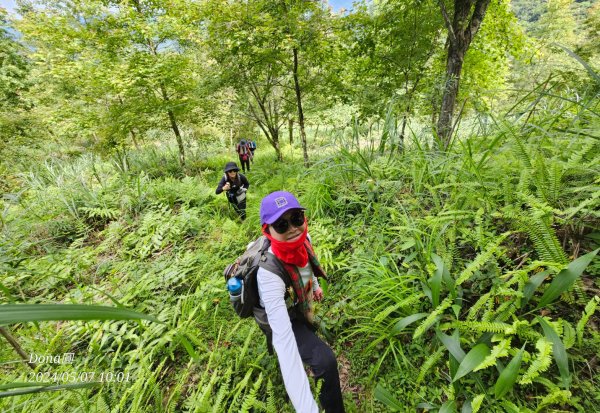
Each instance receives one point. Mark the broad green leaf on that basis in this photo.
(324, 286)
(18, 385)
(406, 321)
(20, 313)
(558, 351)
(448, 407)
(473, 358)
(188, 347)
(7, 293)
(508, 377)
(452, 343)
(388, 398)
(435, 282)
(565, 279)
(39, 389)
(532, 285)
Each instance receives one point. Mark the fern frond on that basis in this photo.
(521, 153)
(481, 259)
(533, 267)
(481, 326)
(560, 396)
(544, 239)
(540, 363)
(588, 205)
(499, 350)
(568, 334)
(238, 390)
(522, 329)
(505, 310)
(576, 158)
(221, 393)
(431, 318)
(587, 313)
(429, 363)
(478, 305)
(271, 406)
(250, 401)
(476, 403)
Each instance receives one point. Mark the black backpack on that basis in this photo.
(245, 269)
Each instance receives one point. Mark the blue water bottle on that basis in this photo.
(234, 286)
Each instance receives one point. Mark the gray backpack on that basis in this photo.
(245, 269)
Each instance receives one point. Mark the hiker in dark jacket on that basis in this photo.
(290, 321)
(235, 184)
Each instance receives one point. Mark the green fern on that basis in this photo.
(587, 313)
(476, 403)
(569, 334)
(481, 259)
(431, 361)
(250, 401)
(271, 406)
(499, 350)
(224, 388)
(555, 397)
(540, 363)
(474, 310)
(536, 224)
(237, 392)
(481, 326)
(432, 317)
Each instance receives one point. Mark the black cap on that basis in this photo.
(231, 166)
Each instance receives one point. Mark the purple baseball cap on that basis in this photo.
(276, 204)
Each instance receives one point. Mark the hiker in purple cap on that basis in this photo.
(235, 184)
(289, 312)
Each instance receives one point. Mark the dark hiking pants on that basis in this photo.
(245, 163)
(240, 208)
(321, 360)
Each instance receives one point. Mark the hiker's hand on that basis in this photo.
(318, 294)
(226, 187)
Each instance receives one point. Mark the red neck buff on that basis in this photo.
(290, 252)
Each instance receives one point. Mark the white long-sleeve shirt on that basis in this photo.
(271, 290)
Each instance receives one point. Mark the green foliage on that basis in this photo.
(458, 280)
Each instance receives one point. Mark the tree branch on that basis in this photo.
(447, 22)
(15, 344)
(478, 15)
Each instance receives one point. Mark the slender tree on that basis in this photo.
(462, 28)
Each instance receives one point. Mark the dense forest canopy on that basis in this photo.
(447, 152)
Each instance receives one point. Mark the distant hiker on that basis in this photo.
(252, 146)
(235, 184)
(288, 313)
(244, 153)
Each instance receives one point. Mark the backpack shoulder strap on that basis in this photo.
(271, 263)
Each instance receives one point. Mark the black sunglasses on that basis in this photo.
(282, 225)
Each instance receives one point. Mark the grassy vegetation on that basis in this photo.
(444, 271)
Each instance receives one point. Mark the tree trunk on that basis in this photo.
(403, 130)
(134, 139)
(300, 111)
(291, 130)
(268, 117)
(174, 127)
(468, 15)
(453, 69)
